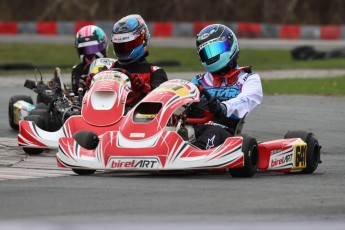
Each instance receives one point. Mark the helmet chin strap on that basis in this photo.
(230, 77)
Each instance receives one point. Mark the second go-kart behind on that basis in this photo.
(103, 107)
(156, 135)
(52, 99)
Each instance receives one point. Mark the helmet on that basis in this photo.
(101, 64)
(91, 43)
(130, 37)
(217, 47)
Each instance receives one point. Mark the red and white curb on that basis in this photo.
(183, 29)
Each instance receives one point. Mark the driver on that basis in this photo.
(235, 90)
(91, 43)
(131, 39)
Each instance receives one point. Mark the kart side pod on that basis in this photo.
(86, 139)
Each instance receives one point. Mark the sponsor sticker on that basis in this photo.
(300, 155)
(142, 135)
(179, 89)
(141, 115)
(138, 163)
(281, 160)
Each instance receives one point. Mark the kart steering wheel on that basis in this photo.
(207, 115)
(133, 94)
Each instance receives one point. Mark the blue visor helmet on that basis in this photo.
(217, 47)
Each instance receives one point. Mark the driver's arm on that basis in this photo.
(250, 97)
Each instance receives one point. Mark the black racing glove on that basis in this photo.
(216, 107)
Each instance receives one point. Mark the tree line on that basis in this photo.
(264, 11)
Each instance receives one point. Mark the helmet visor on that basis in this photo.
(127, 47)
(87, 50)
(213, 49)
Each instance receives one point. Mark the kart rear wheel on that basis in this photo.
(251, 158)
(40, 123)
(84, 172)
(11, 102)
(313, 149)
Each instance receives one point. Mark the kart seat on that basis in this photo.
(236, 126)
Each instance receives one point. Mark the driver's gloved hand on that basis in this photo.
(136, 82)
(88, 81)
(216, 107)
(194, 110)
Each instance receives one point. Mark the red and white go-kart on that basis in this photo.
(103, 107)
(156, 135)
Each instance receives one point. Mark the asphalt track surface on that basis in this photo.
(36, 194)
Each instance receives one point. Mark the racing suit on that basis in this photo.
(79, 75)
(151, 75)
(240, 97)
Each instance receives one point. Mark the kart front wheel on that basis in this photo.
(250, 150)
(84, 172)
(33, 151)
(313, 149)
(41, 124)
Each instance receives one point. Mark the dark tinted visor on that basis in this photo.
(87, 50)
(127, 47)
(213, 49)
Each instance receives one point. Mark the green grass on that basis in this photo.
(258, 59)
(38, 54)
(65, 55)
(322, 86)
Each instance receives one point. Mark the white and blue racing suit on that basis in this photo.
(240, 99)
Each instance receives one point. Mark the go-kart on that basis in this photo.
(103, 106)
(22, 106)
(156, 135)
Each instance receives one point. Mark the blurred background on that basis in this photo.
(273, 34)
(264, 11)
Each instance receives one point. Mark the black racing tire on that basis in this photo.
(44, 115)
(84, 172)
(41, 106)
(39, 99)
(313, 154)
(86, 139)
(41, 124)
(250, 149)
(11, 102)
(307, 53)
(36, 119)
(33, 151)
